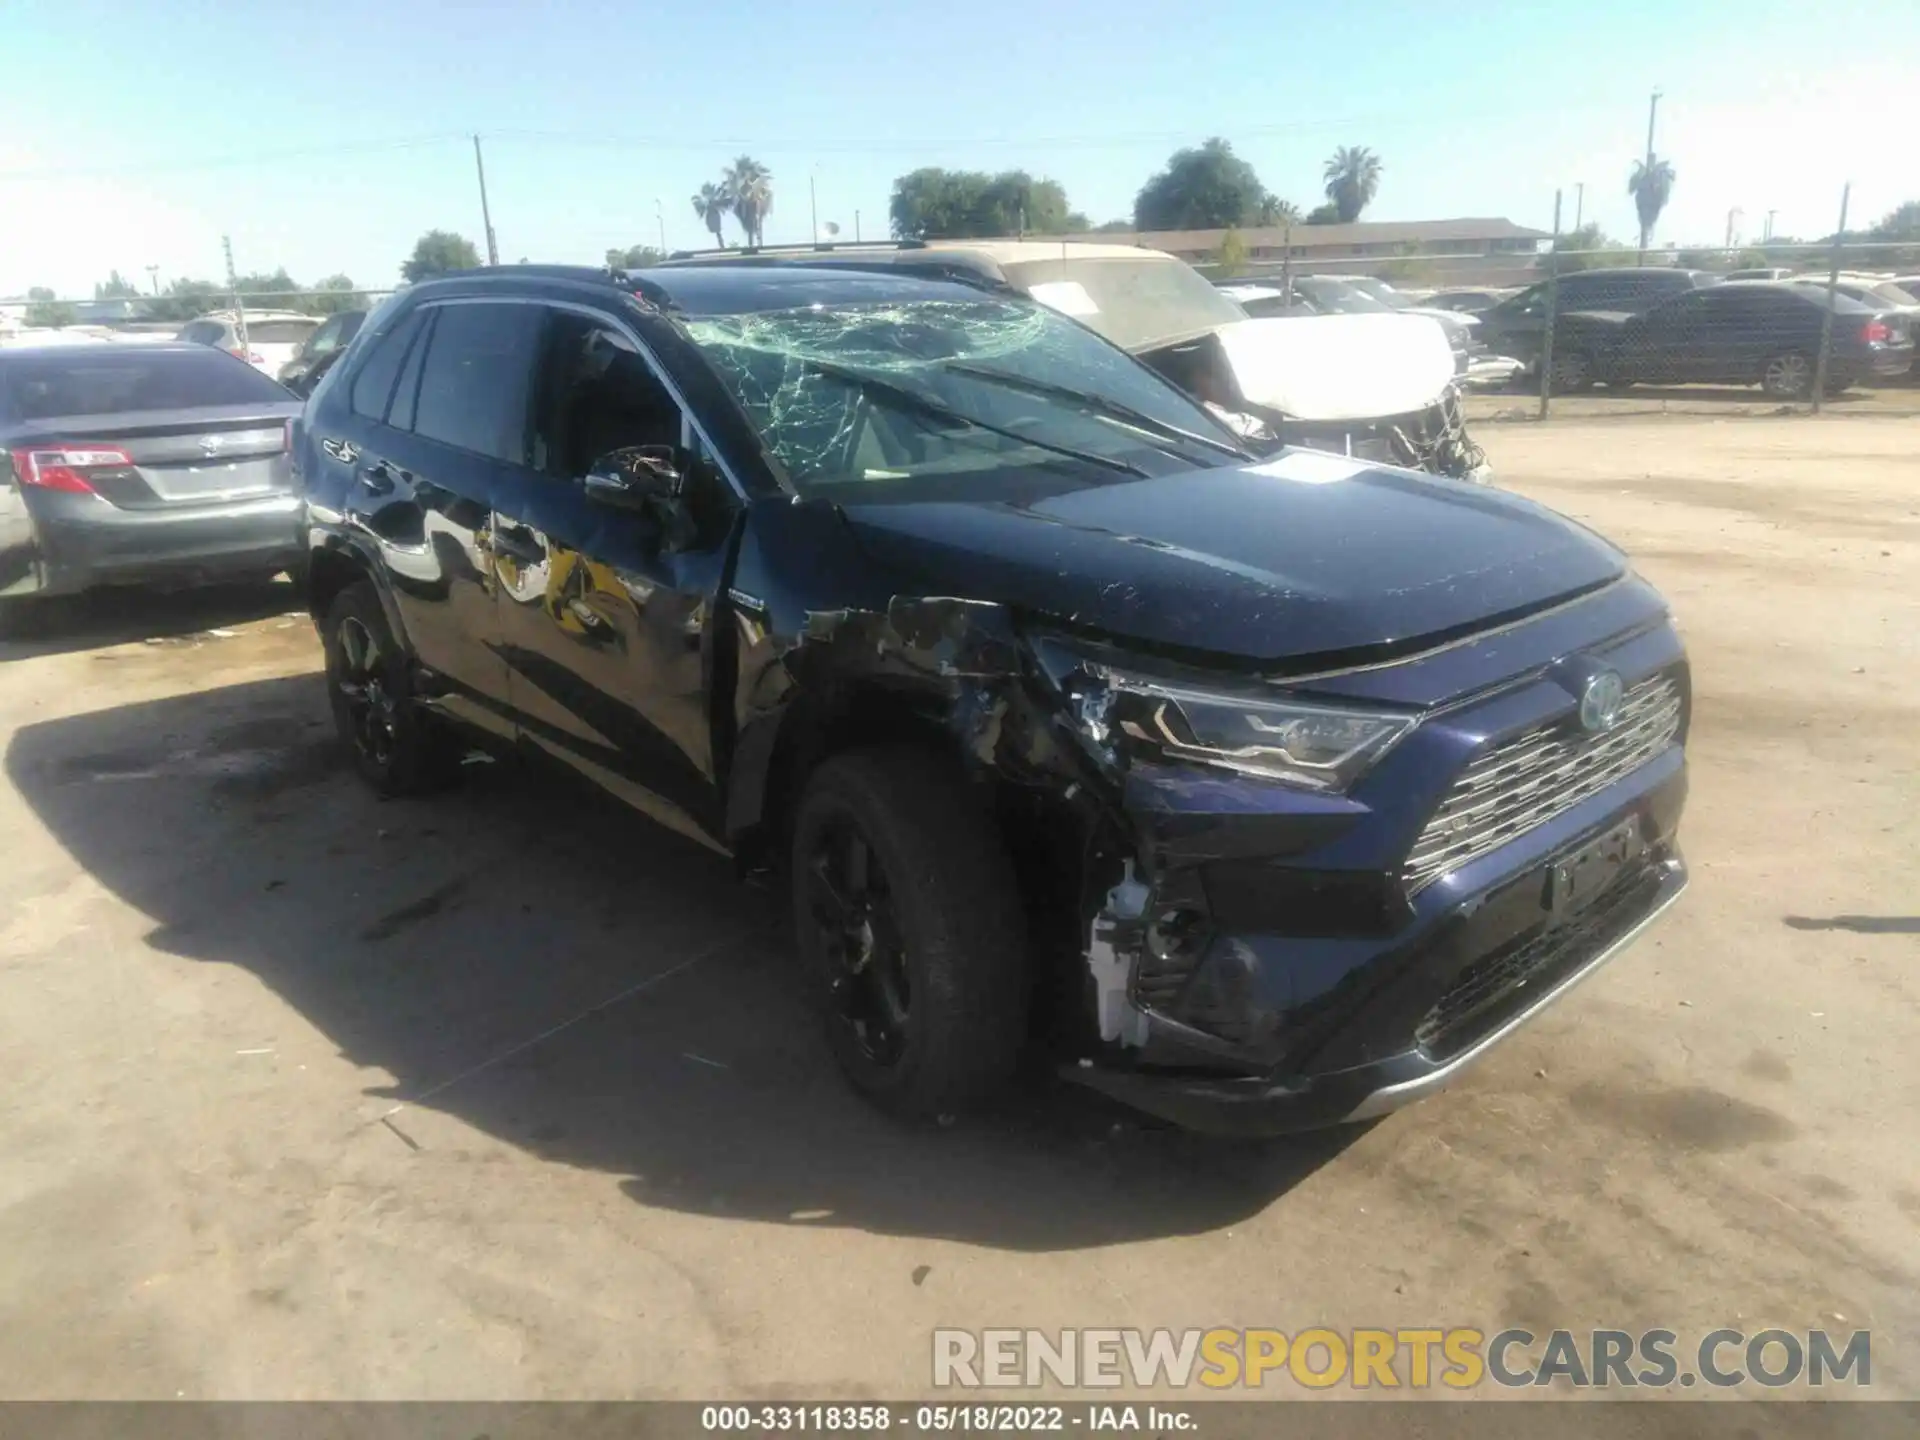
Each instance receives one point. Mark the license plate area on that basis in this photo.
(1581, 875)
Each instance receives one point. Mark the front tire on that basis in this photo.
(909, 924)
(1572, 371)
(396, 746)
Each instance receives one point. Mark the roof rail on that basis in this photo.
(828, 247)
(604, 274)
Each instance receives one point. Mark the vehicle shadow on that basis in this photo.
(562, 975)
(122, 615)
(1858, 924)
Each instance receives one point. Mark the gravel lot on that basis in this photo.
(509, 1094)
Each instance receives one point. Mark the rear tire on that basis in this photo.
(909, 924)
(1788, 376)
(396, 746)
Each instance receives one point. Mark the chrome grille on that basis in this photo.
(1530, 779)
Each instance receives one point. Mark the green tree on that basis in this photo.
(1651, 187)
(1231, 258)
(1588, 247)
(1113, 227)
(934, 202)
(116, 287)
(711, 203)
(1353, 179)
(1205, 188)
(634, 257)
(439, 252)
(1078, 223)
(1327, 214)
(332, 295)
(44, 309)
(971, 204)
(267, 291)
(749, 187)
(185, 299)
(1275, 211)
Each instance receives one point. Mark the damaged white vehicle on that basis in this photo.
(1381, 388)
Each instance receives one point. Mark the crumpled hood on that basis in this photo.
(1339, 367)
(1303, 555)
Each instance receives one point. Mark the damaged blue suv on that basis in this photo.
(1258, 791)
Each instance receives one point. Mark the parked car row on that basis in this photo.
(1662, 325)
(1260, 787)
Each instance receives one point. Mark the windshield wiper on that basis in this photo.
(1095, 404)
(926, 405)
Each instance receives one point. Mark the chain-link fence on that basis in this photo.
(1620, 331)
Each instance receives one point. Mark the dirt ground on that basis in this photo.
(510, 1095)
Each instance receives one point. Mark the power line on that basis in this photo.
(1112, 140)
(275, 157)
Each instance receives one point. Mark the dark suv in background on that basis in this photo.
(1517, 325)
(1264, 793)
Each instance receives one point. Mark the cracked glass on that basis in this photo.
(878, 392)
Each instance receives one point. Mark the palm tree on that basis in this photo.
(749, 186)
(1275, 211)
(712, 205)
(1353, 178)
(1651, 186)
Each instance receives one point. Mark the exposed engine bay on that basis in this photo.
(1378, 388)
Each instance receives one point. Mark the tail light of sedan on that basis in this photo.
(1876, 332)
(65, 468)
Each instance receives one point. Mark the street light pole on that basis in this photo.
(1579, 201)
(813, 204)
(1653, 109)
(1770, 215)
(660, 214)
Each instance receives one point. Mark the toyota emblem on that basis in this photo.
(1600, 701)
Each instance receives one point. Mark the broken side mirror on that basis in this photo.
(651, 482)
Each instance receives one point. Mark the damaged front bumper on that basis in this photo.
(1548, 965)
(1272, 960)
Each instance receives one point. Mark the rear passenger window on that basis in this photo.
(473, 386)
(406, 394)
(280, 332)
(373, 386)
(204, 332)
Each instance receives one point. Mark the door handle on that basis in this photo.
(380, 478)
(341, 450)
(518, 545)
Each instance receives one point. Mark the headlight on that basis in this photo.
(1321, 747)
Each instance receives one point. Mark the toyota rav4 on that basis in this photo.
(1256, 793)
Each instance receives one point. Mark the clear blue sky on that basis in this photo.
(326, 138)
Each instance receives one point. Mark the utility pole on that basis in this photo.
(239, 305)
(813, 204)
(153, 278)
(1553, 310)
(1770, 215)
(1579, 201)
(486, 215)
(856, 227)
(1653, 109)
(1732, 215)
(660, 213)
(1826, 310)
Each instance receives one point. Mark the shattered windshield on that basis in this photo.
(908, 390)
